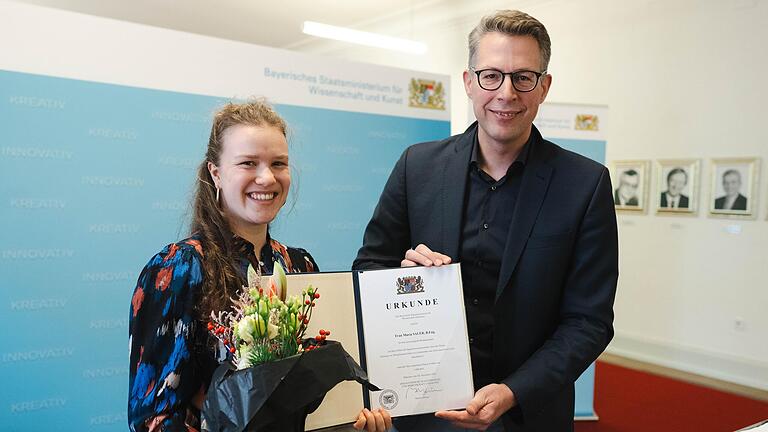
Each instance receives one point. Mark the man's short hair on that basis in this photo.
(677, 171)
(732, 171)
(512, 23)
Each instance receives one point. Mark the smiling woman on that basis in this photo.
(252, 177)
(246, 161)
(243, 183)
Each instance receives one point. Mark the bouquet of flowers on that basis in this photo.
(273, 377)
(265, 326)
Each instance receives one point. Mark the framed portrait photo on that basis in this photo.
(630, 184)
(677, 188)
(734, 187)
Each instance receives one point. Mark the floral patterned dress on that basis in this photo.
(171, 358)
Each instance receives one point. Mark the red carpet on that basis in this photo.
(627, 400)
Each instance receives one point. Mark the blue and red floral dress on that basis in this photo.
(172, 358)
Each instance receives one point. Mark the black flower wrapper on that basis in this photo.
(277, 396)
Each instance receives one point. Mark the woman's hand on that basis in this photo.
(373, 421)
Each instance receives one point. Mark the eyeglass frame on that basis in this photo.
(504, 75)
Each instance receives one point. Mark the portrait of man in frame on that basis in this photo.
(734, 185)
(677, 186)
(630, 182)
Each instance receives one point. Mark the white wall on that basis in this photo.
(683, 79)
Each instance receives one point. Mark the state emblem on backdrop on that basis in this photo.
(410, 285)
(587, 122)
(426, 94)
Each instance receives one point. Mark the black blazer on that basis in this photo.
(739, 204)
(554, 301)
(681, 203)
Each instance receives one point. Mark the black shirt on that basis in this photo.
(488, 208)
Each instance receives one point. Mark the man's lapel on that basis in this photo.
(453, 189)
(533, 189)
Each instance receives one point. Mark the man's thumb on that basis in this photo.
(474, 406)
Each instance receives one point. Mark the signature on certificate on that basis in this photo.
(420, 392)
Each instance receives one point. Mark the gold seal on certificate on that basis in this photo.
(415, 338)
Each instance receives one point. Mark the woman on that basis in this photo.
(243, 184)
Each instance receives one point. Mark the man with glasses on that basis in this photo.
(533, 226)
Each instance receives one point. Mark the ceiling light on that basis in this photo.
(363, 38)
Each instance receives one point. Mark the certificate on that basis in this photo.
(406, 327)
(414, 343)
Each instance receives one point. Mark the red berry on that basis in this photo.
(210, 326)
(322, 332)
(306, 302)
(317, 295)
(327, 332)
(313, 304)
(226, 341)
(232, 349)
(306, 321)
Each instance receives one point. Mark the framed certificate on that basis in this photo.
(406, 327)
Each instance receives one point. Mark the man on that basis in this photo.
(733, 199)
(673, 197)
(533, 226)
(626, 193)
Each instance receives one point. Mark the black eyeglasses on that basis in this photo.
(522, 81)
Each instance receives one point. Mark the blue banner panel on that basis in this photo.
(97, 178)
(593, 149)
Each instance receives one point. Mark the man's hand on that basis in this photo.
(424, 256)
(373, 421)
(489, 403)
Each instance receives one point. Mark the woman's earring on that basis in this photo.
(217, 196)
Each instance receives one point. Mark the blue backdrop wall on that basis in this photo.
(96, 178)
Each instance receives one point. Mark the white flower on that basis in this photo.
(245, 354)
(245, 328)
(272, 330)
(278, 281)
